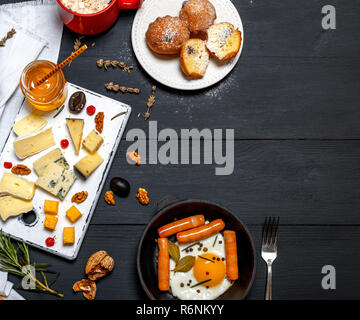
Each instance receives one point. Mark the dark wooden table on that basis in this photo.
(293, 100)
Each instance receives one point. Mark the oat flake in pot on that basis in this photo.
(86, 6)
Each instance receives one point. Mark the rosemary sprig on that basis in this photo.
(59, 111)
(200, 283)
(12, 260)
(118, 115)
(215, 240)
(206, 259)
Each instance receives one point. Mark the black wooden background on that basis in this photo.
(293, 100)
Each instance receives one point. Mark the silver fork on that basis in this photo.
(269, 249)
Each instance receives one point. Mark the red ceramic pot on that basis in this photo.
(96, 22)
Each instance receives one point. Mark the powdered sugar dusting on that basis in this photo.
(222, 88)
(224, 34)
(170, 34)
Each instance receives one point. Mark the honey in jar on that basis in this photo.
(48, 95)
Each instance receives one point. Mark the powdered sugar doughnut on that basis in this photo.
(166, 35)
(198, 15)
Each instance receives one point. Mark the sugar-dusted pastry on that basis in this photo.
(194, 58)
(223, 40)
(166, 35)
(198, 15)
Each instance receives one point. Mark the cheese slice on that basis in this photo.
(55, 156)
(56, 180)
(31, 123)
(26, 147)
(11, 206)
(87, 165)
(93, 141)
(75, 127)
(13, 185)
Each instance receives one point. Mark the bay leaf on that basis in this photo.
(185, 264)
(174, 251)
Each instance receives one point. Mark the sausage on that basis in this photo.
(181, 225)
(231, 255)
(202, 232)
(163, 264)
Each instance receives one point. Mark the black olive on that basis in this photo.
(120, 186)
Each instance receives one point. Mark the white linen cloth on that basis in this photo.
(3, 282)
(6, 288)
(14, 296)
(22, 48)
(41, 19)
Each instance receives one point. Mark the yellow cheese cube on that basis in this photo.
(87, 165)
(69, 235)
(51, 207)
(50, 221)
(73, 214)
(92, 142)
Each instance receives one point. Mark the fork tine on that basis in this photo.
(273, 226)
(267, 230)
(276, 231)
(264, 235)
(270, 231)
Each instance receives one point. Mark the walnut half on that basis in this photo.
(99, 265)
(109, 198)
(135, 157)
(21, 169)
(142, 196)
(79, 197)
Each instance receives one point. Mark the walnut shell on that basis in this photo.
(87, 287)
(99, 265)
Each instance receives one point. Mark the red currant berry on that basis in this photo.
(8, 165)
(50, 241)
(90, 110)
(64, 143)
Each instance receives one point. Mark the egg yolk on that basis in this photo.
(209, 266)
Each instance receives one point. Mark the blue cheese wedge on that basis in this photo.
(11, 207)
(54, 156)
(28, 146)
(13, 185)
(93, 141)
(87, 165)
(30, 124)
(56, 180)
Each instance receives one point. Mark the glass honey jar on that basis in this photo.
(48, 95)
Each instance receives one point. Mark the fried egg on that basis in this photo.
(209, 271)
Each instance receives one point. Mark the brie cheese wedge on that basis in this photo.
(26, 147)
(13, 185)
(31, 123)
(11, 206)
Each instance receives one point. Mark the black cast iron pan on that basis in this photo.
(171, 208)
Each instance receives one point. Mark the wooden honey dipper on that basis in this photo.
(62, 64)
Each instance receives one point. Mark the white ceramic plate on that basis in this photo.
(166, 68)
(35, 234)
